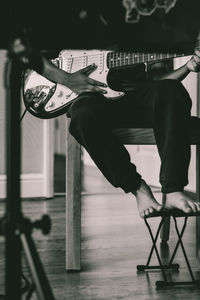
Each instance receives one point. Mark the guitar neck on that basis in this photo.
(123, 59)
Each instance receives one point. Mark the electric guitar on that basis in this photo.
(45, 99)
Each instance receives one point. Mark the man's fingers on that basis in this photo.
(197, 52)
(92, 88)
(196, 59)
(96, 82)
(196, 63)
(89, 69)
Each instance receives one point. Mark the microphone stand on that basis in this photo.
(14, 226)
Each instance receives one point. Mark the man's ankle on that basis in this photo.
(143, 187)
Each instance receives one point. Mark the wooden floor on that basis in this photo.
(114, 241)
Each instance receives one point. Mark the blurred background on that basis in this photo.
(156, 25)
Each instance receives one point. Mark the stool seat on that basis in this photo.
(142, 134)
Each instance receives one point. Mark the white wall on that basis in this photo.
(60, 135)
(37, 149)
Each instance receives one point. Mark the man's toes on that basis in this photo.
(159, 207)
(151, 210)
(142, 214)
(146, 212)
(187, 209)
(198, 206)
(192, 206)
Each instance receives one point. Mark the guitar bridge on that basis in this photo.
(37, 97)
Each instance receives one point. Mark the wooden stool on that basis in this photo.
(128, 136)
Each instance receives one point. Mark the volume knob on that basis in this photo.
(51, 104)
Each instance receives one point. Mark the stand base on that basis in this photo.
(161, 284)
(164, 267)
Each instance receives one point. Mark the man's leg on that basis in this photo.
(92, 117)
(172, 126)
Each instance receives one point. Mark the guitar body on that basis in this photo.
(45, 99)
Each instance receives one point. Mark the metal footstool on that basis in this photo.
(173, 266)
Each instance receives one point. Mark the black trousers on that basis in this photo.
(163, 105)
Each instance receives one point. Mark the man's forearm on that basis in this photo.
(54, 74)
(178, 74)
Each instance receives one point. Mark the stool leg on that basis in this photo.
(154, 240)
(165, 230)
(73, 204)
(174, 283)
(161, 266)
(198, 199)
(154, 247)
(183, 249)
(179, 238)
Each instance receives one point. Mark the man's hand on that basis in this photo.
(79, 82)
(194, 63)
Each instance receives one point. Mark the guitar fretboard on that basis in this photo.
(122, 59)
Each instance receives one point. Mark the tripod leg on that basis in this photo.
(43, 288)
(30, 292)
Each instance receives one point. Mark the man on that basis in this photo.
(159, 101)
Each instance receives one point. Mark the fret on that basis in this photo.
(119, 60)
(122, 60)
(145, 57)
(131, 58)
(140, 57)
(164, 56)
(115, 55)
(151, 57)
(135, 58)
(126, 59)
(158, 56)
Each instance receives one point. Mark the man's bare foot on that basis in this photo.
(179, 200)
(146, 202)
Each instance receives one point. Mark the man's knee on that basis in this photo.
(85, 104)
(173, 93)
(83, 112)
